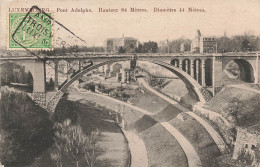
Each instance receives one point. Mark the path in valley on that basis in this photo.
(161, 137)
(155, 136)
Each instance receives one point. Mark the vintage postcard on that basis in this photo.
(130, 83)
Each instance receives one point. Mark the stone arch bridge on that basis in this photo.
(197, 71)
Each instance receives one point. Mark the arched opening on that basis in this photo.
(198, 70)
(17, 76)
(187, 79)
(116, 68)
(240, 69)
(175, 62)
(208, 72)
(186, 65)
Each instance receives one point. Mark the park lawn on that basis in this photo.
(167, 113)
(197, 135)
(148, 101)
(162, 148)
(175, 87)
(130, 115)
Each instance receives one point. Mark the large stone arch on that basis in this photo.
(247, 71)
(28, 66)
(201, 93)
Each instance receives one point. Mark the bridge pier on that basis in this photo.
(257, 70)
(180, 65)
(80, 65)
(187, 66)
(39, 79)
(107, 69)
(217, 78)
(68, 69)
(203, 72)
(192, 69)
(197, 67)
(56, 84)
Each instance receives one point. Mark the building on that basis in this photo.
(203, 44)
(248, 142)
(123, 44)
(126, 75)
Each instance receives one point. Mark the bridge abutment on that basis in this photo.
(203, 72)
(39, 85)
(217, 78)
(192, 69)
(257, 69)
(68, 70)
(56, 85)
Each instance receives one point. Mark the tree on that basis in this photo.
(75, 142)
(50, 84)
(70, 139)
(92, 148)
(29, 79)
(7, 147)
(26, 127)
(121, 49)
(63, 50)
(139, 49)
(246, 46)
(150, 47)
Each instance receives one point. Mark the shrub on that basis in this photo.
(65, 110)
(26, 129)
(71, 140)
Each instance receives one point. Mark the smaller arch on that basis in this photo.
(245, 71)
(18, 75)
(175, 62)
(186, 63)
(116, 67)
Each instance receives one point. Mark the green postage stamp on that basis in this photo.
(30, 30)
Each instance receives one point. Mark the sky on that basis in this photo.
(233, 16)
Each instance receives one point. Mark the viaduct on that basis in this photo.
(197, 71)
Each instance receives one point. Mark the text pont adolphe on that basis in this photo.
(131, 9)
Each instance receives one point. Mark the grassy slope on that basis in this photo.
(175, 88)
(163, 149)
(198, 137)
(148, 101)
(157, 139)
(249, 113)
